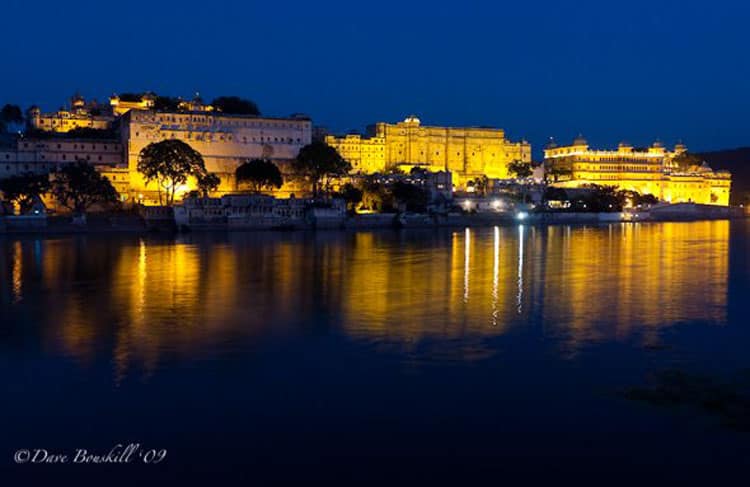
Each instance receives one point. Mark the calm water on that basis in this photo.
(412, 355)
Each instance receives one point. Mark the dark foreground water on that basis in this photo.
(398, 357)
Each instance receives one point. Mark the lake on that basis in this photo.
(413, 355)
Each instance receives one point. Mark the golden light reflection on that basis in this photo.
(467, 263)
(17, 272)
(495, 273)
(445, 293)
(519, 300)
(583, 283)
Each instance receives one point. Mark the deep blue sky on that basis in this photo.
(633, 70)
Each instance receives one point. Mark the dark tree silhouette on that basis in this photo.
(170, 163)
(686, 160)
(351, 194)
(414, 197)
(260, 174)
(24, 189)
(10, 115)
(166, 104)
(235, 105)
(208, 183)
(319, 162)
(78, 186)
(520, 169)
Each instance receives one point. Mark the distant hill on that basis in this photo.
(736, 161)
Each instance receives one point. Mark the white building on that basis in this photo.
(41, 156)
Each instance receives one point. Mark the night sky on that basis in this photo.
(633, 70)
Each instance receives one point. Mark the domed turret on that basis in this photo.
(412, 119)
(580, 140)
(77, 101)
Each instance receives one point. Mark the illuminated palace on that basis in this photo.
(131, 122)
(468, 152)
(224, 141)
(81, 114)
(653, 170)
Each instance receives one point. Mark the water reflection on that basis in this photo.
(446, 294)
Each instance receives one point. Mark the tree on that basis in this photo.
(10, 115)
(414, 197)
(555, 194)
(131, 97)
(319, 162)
(634, 198)
(170, 163)
(259, 174)
(235, 105)
(555, 173)
(647, 199)
(481, 185)
(208, 183)
(24, 189)
(376, 197)
(166, 104)
(605, 198)
(519, 169)
(78, 186)
(686, 160)
(351, 194)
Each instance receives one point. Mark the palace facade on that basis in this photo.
(653, 170)
(224, 141)
(82, 114)
(467, 152)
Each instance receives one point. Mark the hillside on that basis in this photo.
(736, 161)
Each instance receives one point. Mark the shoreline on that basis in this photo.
(351, 224)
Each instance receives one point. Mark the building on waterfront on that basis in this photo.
(123, 104)
(467, 152)
(225, 141)
(43, 155)
(653, 170)
(438, 184)
(365, 154)
(81, 114)
(254, 211)
(30, 155)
